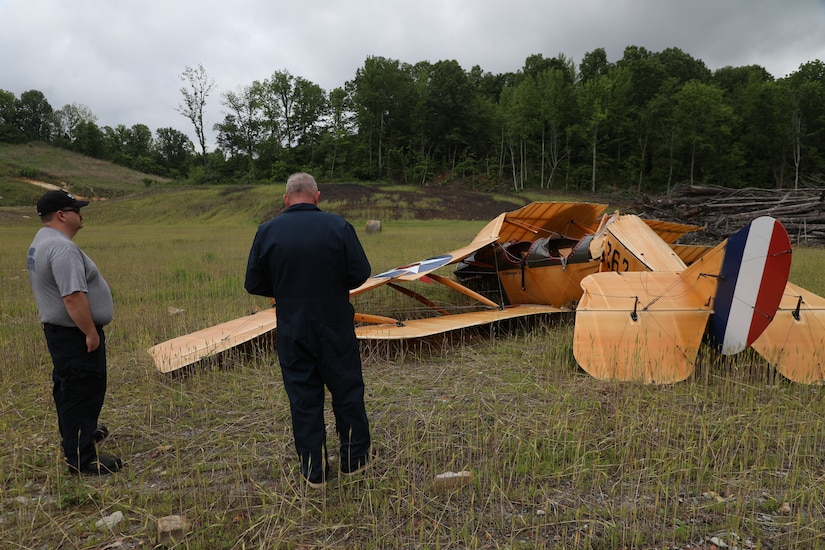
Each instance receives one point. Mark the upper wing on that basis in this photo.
(416, 270)
(573, 219)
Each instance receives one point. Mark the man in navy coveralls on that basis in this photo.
(309, 260)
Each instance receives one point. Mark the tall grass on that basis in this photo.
(559, 460)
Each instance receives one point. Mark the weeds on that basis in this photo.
(559, 460)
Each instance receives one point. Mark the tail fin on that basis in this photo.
(752, 279)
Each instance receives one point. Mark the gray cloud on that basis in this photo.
(122, 59)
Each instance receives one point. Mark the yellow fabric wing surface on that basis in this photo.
(796, 347)
(670, 232)
(537, 219)
(659, 346)
(190, 348)
(419, 328)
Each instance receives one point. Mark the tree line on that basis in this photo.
(647, 122)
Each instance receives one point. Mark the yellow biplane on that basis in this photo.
(643, 303)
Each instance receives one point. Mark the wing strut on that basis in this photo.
(463, 290)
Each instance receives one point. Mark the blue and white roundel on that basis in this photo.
(424, 266)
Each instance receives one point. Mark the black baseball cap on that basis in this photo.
(52, 201)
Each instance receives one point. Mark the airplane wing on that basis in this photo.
(419, 328)
(794, 342)
(190, 348)
(185, 350)
(538, 219)
(670, 232)
(416, 270)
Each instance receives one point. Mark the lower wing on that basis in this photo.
(190, 348)
(419, 328)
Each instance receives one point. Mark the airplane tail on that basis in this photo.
(794, 342)
(647, 326)
(752, 281)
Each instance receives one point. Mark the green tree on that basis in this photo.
(683, 67)
(599, 98)
(556, 103)
(198, 87)
(115, 140)
(310, 109)
(243, 127)
(805, 90)
(341, 126)
(384, 98)
(34, 116)
(9, 128)
(174, 150)
(138, 142)
(759, 133)
(67, 120)
(593, 65)
(445, 98)
(646, 76)
(88, 139)
(519, 105)
(705, 122)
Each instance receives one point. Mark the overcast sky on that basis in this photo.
(123, 58)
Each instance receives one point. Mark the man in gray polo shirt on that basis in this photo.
(74, 303)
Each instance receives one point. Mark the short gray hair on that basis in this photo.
(301, 183)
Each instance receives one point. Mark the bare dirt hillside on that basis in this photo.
(444, 202)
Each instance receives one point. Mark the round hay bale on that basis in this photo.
(373, 226)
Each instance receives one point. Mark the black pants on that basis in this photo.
(79, 389)
(329, 358)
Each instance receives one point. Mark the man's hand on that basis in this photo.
(77, 304)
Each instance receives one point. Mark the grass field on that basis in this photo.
(733, 455)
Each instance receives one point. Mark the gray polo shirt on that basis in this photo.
(57, 267)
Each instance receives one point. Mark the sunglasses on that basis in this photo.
(70, 210)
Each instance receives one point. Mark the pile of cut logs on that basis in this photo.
(724, 211)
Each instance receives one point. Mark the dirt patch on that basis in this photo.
(43, 184)
(431, 202)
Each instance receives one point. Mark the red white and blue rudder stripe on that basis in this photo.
(752, 280)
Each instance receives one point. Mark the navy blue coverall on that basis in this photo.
(309, 260)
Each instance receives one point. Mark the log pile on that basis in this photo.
(724, 211)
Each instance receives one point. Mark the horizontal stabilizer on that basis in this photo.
(794, 342)
(639, 326)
